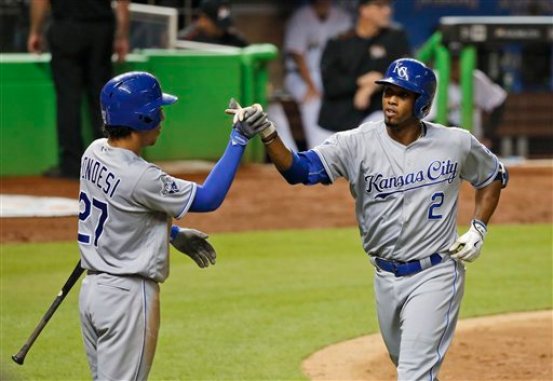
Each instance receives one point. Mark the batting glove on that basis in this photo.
(467, 247)
(251, 120)
(194, 244)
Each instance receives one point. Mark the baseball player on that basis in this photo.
(405, 176)
(124, 230)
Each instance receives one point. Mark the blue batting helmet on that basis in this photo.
(133, 100)
(414, 76)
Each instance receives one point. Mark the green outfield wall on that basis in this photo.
(196, 127)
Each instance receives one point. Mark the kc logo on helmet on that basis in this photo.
(401, 71)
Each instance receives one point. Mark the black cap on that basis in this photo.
(218, 11)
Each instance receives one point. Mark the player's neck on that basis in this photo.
(406, 134)
(130, 143)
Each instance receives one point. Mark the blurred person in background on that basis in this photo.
(488, 99)
(214, 26)
(353, 61)
(14, 25)
(306, 34)
(82, 37)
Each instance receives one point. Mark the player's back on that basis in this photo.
(119, 233)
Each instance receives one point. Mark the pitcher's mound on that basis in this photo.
(505, 347)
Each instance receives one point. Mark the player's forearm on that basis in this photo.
(486, 201)
(38, 11)
(211, 194)
(279, 154)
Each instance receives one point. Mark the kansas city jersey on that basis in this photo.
(406, 196)
(126, 206)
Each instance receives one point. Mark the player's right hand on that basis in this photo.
(249, 121)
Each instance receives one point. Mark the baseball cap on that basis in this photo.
(218, 11)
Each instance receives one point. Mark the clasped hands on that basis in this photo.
(250, 121)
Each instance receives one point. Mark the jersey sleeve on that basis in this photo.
(480, 166)
(157, 190)
(334, 155)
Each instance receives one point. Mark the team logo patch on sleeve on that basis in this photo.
(169, 186)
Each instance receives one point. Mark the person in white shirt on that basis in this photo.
(487, 96)
(306, 34)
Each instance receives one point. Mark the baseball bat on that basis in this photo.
(75, 275)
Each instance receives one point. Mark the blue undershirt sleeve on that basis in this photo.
(307, 169)
(211, 194)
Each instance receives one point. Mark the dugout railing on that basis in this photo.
(466, 33)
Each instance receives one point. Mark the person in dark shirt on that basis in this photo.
(82, 37)
(214, 26)
(353, 61)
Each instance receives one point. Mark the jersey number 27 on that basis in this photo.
(102, 208)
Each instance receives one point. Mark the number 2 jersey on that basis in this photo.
(406, 196)
(126, 208)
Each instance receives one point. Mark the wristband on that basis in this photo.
(174, 231)
(266, 133)
(237, 139)
(480, 227)
(269, 139)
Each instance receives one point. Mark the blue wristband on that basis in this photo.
(236, 138)
(174, 231)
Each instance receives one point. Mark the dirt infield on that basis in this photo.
(504, 347)
(260, 199)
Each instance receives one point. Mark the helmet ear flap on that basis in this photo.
(421, 106)
(145, 118)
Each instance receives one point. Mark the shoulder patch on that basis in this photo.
(168, 185)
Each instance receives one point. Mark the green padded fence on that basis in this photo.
(196, 127)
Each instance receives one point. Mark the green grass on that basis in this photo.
(272, 299)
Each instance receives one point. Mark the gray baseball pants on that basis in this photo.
(120, 325)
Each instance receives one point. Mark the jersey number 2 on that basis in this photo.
(438, 200)
(85, 214)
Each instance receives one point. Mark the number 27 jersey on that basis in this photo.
(126, 207)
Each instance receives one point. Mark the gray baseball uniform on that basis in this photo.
(120, 189)
(406, 207)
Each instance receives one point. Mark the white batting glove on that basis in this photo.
(193, 243)
(467, 247)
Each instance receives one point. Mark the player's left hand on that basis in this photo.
(193, 243)
(467, 247)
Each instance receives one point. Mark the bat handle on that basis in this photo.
(20, 356)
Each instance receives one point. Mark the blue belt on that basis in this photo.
(408, 268)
